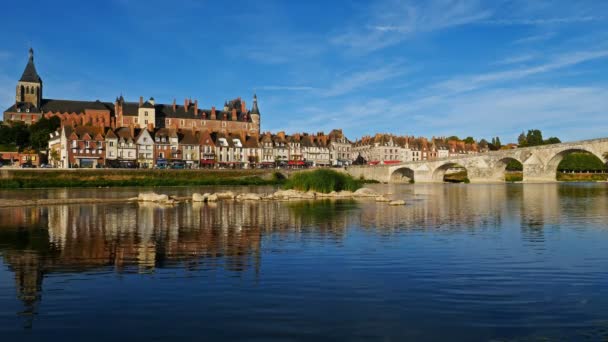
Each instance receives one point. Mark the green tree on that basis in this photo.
(483, 144)
(534, 137)
(497, 143)
(552, 140)
(469, 140)
(41, 130)
(453, 137)
(521, 140)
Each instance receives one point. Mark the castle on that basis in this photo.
(30, 106)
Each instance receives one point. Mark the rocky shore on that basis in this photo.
(162, 199)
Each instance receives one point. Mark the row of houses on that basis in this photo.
(127, 147)
(388, 149)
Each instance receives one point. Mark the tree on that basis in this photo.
(483, 144)
(552, 140)
(469, 140)
(497, 143)
(453, 137)
(41, 130)
(534, 137)
(521, 140)
(494, 141)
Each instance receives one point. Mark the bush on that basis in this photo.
(324, 181)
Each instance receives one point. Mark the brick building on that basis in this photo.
(30, 106)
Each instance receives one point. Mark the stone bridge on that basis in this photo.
(539, 164)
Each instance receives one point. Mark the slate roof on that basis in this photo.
(30, 74)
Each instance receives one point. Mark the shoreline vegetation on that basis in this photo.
(22, 179)
(320, 180)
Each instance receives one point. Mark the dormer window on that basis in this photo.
(27, 110)
(18, 110)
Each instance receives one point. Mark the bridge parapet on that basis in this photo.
(539, 164)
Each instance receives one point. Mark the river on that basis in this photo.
(459, 262)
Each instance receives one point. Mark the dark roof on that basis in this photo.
(255, 109)
(147, 104)
(30, 74)
(67, 106)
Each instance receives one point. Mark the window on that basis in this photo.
(146, 113)
(111, 144)
(145, 122)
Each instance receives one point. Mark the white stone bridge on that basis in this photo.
(539, 164)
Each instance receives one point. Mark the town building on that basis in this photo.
(30, 106)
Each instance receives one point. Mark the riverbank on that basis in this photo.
(27, 179)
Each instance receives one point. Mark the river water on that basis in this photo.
(459, 262)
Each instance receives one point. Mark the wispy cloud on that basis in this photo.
(515, 59)
(555, 109)
(286, 88)
(468, 83)
(394, 21)
(544, 21)
(357, 80)
(535, 38)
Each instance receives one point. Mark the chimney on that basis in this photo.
(113, 123)
(213, 116)
(195, 107)
(174, 105)
(132, 130)
(243, 107)
(186, 104)
(141, 101)
(233, 114)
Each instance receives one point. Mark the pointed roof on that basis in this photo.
(254, 108)
(30, 74)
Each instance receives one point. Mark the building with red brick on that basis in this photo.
(30, 106)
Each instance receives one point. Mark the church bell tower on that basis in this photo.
(29, 87)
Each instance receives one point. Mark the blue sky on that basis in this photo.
(432, 68)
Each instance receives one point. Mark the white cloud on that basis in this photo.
(544, 21)
(348, 83)
(394, 21)
(286, 88)
(468, 83)
(515, 59)
(535, 38)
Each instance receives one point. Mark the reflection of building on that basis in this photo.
(228, 235)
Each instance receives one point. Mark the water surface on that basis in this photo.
(459, 262)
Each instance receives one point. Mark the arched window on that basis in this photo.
(27, 90)
(22, 94)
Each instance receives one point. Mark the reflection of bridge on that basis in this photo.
(539, 164)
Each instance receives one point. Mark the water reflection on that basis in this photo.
(36, 241)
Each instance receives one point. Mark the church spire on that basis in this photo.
(30, 74)
(254, 108)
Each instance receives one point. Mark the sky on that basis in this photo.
(423, 68)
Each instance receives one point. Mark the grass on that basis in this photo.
(120, 178)
(514, 176)
(324, 181)
(457, 177)
(581, 177)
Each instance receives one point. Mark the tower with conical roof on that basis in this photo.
(255, 113)
(29, 87)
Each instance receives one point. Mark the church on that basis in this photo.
(30, 106)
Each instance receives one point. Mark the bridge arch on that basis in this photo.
(500, 168)
(440, 172)
(553, 163)
(402, 175)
